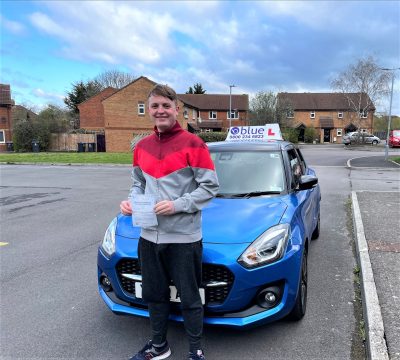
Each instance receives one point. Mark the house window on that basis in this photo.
(234, 115)
(312, 114)
(212, 114)
(141, 108)
(363, 114)
(185, 112)
(338, 132)
(194, 114)
(290, 114)
(363, 130)
(340, 115)
(2, 137)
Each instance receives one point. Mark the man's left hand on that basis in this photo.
(164, 207)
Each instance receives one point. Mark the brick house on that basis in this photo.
(210, 112)
(125, 113)
(6, 104)
(91, 112)
(329, 113)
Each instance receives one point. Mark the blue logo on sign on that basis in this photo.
(235, 130)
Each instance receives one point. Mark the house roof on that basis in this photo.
(101, 95)
(215, 101)
(5, 95)
(322, 101)
(140, 77)
(204, 101)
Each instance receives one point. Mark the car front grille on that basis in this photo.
(218, 275)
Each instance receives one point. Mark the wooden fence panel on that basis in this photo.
(69, 142)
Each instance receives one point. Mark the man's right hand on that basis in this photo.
(125, 207)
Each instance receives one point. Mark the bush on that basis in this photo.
(310, 134)
(291, 135)
(41, 133)
(213, 136)
(26, 131)
(23, 136)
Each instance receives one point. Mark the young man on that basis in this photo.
(175, 167)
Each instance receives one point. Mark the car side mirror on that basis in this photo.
(307, 182)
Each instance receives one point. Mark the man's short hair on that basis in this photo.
(165, 91)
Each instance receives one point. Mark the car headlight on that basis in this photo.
(108, 244)
(267, 248)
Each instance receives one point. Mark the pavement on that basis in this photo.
(376, 218)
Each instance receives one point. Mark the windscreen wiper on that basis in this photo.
(248, 194)
(255, 193)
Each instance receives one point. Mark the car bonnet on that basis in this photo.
(237, 221)
(227, 221)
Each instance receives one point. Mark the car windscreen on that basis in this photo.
(249, 173)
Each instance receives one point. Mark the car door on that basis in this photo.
(368, 138)
(306, 199)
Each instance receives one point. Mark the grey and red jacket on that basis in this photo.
(175, 165)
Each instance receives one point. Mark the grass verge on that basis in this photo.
(395, 159)
(67, 158)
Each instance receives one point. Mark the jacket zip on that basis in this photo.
(158, 186)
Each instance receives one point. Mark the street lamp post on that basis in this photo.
(230, 105)
(390, 113)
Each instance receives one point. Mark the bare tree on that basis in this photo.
(265, 109)
(363, 84)
(114, 78)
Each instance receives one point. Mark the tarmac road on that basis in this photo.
(53, 218)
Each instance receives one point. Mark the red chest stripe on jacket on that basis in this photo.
(158, 168)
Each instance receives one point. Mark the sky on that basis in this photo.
(293, 46)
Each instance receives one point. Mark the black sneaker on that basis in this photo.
(198, 355)
(150, 352)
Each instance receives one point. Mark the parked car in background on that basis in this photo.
(363, 138)
(394, 138)
(256, 239)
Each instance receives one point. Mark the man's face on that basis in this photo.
(163, 112)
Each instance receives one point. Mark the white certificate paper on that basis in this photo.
(143, 214)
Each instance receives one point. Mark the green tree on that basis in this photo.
(266, 109)
(263, 108)
(23, 135)
(58, 120)
(196, 89)
(80, 92)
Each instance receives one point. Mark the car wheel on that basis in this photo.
(315, 234)
(300, 305)
(374, 142)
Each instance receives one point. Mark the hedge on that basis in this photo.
(213, 136)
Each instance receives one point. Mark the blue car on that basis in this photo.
(256, 237)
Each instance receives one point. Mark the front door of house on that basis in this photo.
(327, 135)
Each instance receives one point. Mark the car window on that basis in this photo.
(295, 167)
(249, 171)
(302, 161)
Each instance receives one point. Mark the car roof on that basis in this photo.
(272, 145)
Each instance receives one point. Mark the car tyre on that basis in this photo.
(300, 305)
(375, 142)
(315, 234)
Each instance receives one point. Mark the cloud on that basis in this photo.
(12, 26)
(47, 95)
(261, 45)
